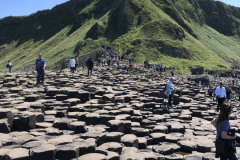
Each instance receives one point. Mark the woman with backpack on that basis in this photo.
(225, 142)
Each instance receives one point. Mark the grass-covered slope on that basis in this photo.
(171, 32)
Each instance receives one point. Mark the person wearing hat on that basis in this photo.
(168, 92)
(220, 93)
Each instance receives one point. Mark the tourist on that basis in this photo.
(168, 92)
(108, 61)
(72, 65)
(172, 73)
(224, 132)
(76, 63)
(210, 92)
(40, 67)
(130, 60)
(220, 93)
(117, 63)
(99, 61)
(86, 62)
(10, 66)
(233, 82)
(228, 94)
(90, 66)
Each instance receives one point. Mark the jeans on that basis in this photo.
(40, 74)
(72, 69)
(229, 155)
(220, 102)
(170, 100)
(10, 69)
(75, 69)
(90, 69)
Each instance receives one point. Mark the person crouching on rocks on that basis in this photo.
(225, 142)
(168, 91)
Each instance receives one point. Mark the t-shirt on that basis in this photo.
(223, 126)
(72, 63)
(210, 91)
(170, 86)
(40, 62)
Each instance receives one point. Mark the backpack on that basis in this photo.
(7, 65)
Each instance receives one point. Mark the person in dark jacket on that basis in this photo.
(90, 66)
(228, 93)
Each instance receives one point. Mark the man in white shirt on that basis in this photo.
(168, 92)
(220, 92)
(72, 64)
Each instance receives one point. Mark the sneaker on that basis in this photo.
(172, 107)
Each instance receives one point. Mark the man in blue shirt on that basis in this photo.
(40, 67)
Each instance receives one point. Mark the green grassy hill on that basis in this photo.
(170, 32)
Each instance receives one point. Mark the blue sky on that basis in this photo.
(27, 7)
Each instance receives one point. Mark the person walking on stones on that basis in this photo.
(76, 63)
(108, 61)
(210, 92)
(224, 132)
(40, 65)
(172, 73)
(168, 91)
(86, 61)
(130, 60)
(233, 82)
(10, 66)
(90, 66)
(228, 94)
(220, 92)
(72, 64)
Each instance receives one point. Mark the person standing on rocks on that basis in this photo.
(168, 92)
(228, 94)
(72, 64)
(130, 60)
(10, 66)
(86, 60)
(172, 73)
(220, 92)
(90, 66)
(224, 131)
(76, 64)
(210, 92)
(40, 68)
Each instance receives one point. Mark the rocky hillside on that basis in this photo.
(171, 32)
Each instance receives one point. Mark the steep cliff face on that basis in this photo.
(185, 31)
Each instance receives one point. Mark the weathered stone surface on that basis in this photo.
(77, 127)
(45, 151)
(93, 156)
(129, 140)
(112, 115)
(24, 121)
(67, 152)
(18, 153)
(4, 128)
(86, 146)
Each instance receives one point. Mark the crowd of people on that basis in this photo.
(223, 94)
